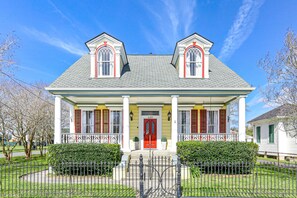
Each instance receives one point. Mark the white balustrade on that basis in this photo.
(91, 138)
(204, 137)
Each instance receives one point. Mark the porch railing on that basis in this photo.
(207, 137)
(91, 138)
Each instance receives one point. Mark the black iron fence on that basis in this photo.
(149, 177)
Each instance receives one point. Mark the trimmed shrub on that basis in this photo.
(227, 157)
(84, 158)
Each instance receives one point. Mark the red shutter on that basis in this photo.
(77, 120)
(105, 121)
(222, 121)
(194, 121)
(97, 121)
(203, 121)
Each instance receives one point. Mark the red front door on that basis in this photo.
(150, 133)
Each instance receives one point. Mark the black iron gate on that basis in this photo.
(159, 177)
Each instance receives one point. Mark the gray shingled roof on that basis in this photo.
(148, 71)
(279, 111)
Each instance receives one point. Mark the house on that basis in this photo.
(270, 134)
(114, 97)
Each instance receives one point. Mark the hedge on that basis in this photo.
(232, 157)
(84, 158)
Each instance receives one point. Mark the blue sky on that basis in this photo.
(52, 33)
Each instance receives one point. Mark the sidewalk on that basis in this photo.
(21, 154)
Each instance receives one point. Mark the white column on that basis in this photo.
(126, 125)
(228, 119)
(241, 119)
(71, 118)
(57, 120)
(174, 105)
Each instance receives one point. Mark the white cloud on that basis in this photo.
(54, 41)
(173, 22)
(242, 27)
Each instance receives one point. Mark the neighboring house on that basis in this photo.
(270, 134)
(114, 97)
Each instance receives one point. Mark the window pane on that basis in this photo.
(88, 122)
(212, 121)
(258, 134)
(271, 133)
(184, 122)
(105, 59)
(148, 113)
(115, 121)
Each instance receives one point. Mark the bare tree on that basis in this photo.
(7, 45)
(281, 74)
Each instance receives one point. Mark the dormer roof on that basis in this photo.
(195, 37)
(104, 37)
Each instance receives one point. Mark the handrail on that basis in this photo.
(91, 138)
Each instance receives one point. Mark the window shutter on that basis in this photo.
(105, 121)
(194, 121)
(222, 120)
(97, 121)
(77, 120)
(203, 124)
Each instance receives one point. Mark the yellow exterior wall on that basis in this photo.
(134, 125)
(166, 125)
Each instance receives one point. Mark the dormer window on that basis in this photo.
(193, 62)
(105, 61)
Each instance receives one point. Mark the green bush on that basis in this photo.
(84, 158)
(135, 139)
(163, 139)
(231, 157)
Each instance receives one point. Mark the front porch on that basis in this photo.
(118, 120)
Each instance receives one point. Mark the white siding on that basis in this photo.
(287, 143)
(283, 143)
(264, 145)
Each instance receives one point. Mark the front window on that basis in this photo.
(88, 122)
(193, 61)
(116, 121)
(105, 61)
(271, 134)
(258, 134)
(184, 122)
(212, 121)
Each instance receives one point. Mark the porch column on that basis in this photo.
(126, 125)
(57, 139)
(71, 118)
(241, 118)
(174, 105)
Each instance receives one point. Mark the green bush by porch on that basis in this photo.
(217, 155)
(66, 155)
(194, 151)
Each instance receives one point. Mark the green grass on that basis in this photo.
(266, 181)
(12, 186)
(269, 159)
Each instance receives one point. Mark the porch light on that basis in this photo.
(169, 115)
(131, 115)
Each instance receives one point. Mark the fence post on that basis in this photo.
(141, 190)
(178, 182)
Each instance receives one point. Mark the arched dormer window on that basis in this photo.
(193, 62)
(105, 61)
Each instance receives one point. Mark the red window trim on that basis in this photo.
(114, 57)
(197, 46)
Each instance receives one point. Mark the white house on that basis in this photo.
(271, 135)
(114, 97)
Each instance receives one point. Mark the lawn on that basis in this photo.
(265, 181)
(12, 186)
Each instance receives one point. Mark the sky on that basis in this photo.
(52, 34)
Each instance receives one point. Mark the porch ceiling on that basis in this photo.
(149, 100)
